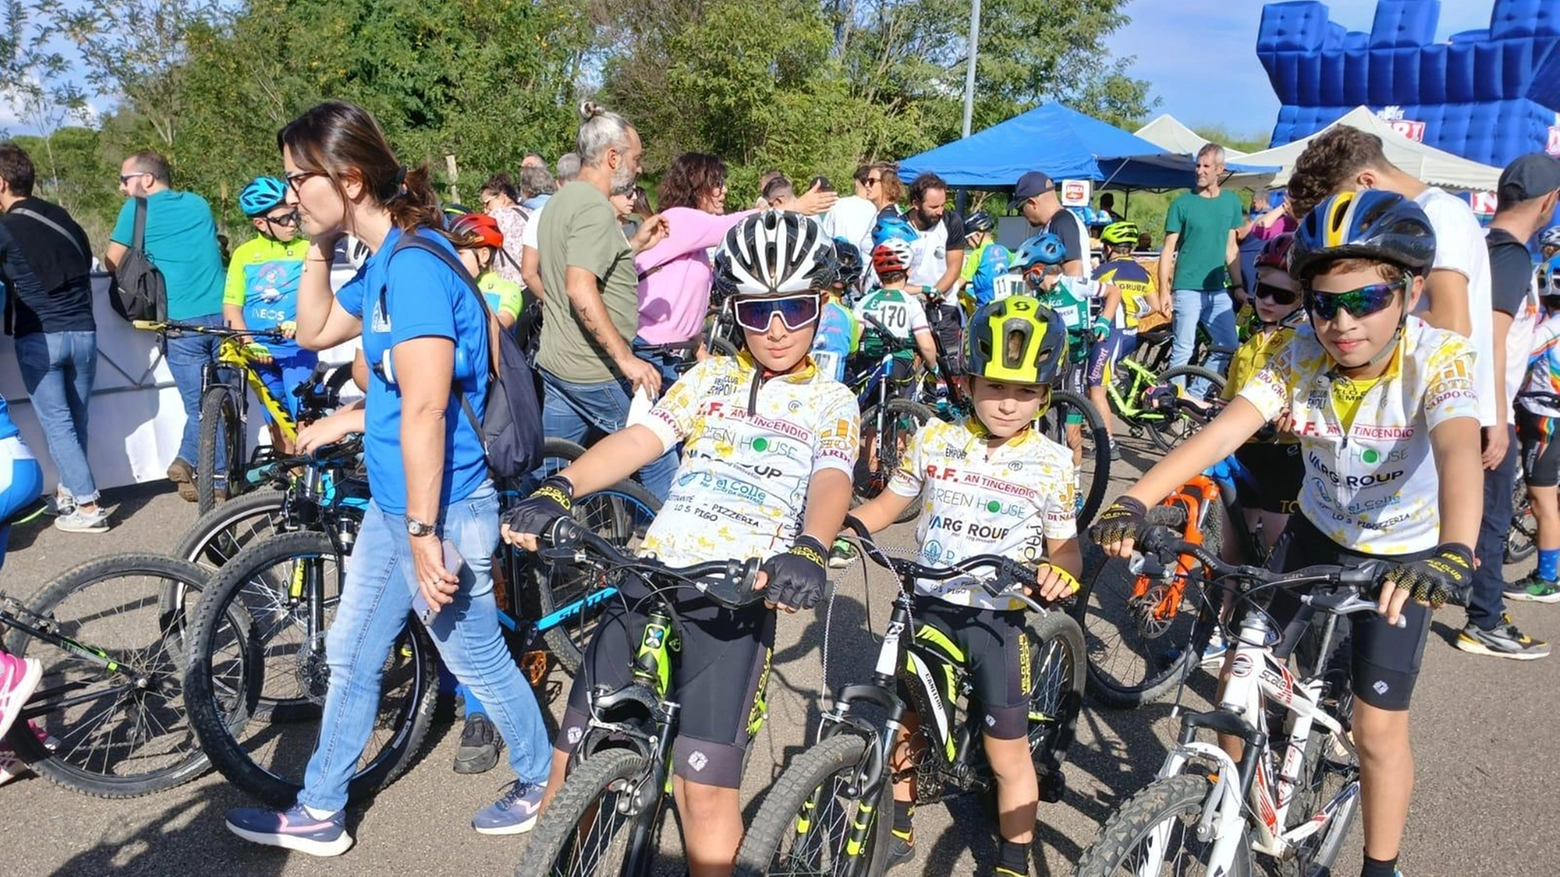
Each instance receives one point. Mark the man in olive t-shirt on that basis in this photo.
(1200, 231)
(590, 313)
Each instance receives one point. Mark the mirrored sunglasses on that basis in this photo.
(1361, 302)
(796, 312)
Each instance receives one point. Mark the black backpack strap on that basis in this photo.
(138, 235)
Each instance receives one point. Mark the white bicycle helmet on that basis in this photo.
(1550, 237)
(774, 253)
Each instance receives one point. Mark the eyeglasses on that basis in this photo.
(125, 178)
(796, 311)
(1278, 294)
(1359, 303)
(295, 181)
(288, 219)
(871, 180)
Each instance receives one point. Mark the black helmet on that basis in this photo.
(1371, 224)
(848, 265)
(977, 222)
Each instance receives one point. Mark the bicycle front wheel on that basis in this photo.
(1167, 432)
(1155, 833)
(223, 532)
(1072, 422)
(219, 428)
(111, 696)
(258, 676)
(584, 831)
(1057, 673)
(811, 824)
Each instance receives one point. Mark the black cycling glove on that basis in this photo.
(797, 577)
(1120, 521)
(1444, 577)
(552, 500)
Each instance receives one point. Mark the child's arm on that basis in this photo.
(877, 513)
(614, 458)
(926, 348)
(828, 499)
(1112, 295)
(1455, 445)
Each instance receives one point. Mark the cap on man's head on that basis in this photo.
(1530, 176)
(1031, 184)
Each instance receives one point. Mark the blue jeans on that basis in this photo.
(584, 413)
(1487, 602)
(375, 604)
(289, 367)
(58, 369)
(1216, 312)
(187, 358)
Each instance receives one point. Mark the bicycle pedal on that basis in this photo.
(534, 665)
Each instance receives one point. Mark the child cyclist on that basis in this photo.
(1022, 484)
(897, 310)
(839, 331)
(477, 241)
(262, 292)
(769, 447)
(1384, 410)
(1120, 270)
(1537, 422)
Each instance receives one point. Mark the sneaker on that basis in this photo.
(1533, 590)
(79, 521)
(901, 849)
(1213, 653)
(478, 750)
(1004, 871)
(1115, 453)
(19, 677)
(292, 829)
(842, 555)
(182, 474)
(58, 505)
(1502, 641)
(514, 813)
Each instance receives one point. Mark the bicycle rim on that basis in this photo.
(585, 830)
(1072, 422)
(1056, 689)
(811, 822)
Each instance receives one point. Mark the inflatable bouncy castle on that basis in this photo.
(1488, 95)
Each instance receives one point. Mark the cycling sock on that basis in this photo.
(903, 811)
(1014, 857)
(1379, 867)
(1548, 563)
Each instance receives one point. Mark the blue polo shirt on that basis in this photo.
(181, 239)
(417, 295)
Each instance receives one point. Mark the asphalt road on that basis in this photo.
(1485, 740)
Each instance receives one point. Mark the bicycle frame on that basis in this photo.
(14, 615)
(231, 354)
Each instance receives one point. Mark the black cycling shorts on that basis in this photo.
(1540, 451)
(718, 679)
(1384, 660)
(1277, 472)
(996, 651)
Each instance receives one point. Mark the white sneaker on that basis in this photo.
(79, 521)
(19, 677)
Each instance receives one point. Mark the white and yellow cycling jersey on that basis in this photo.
(1370, 479)
(976, 499)
(750, 447)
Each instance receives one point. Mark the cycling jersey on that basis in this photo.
(1543, 374)
(750, 448)
(263, 280)
(1371, 486)
(899, 311)
(838, 336)
(972, 260)
(503, 296)
(21, 478)
(1135, 284)
(976, 499)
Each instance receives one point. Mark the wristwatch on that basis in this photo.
(415, 527)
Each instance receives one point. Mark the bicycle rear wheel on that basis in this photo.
(1138, 634)
(1072, 422)
(1167, 432)
(122, 730)
(881, 454)
(219, 427)
(807, 824)
(1522, 538)
(583, 832)
(258, 677)
(1159, 825)
(230, 528)
(569, 599)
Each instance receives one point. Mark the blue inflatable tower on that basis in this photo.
(1489, 95)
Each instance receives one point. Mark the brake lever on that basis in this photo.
(1355, 603)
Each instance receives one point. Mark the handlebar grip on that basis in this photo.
(149, 325)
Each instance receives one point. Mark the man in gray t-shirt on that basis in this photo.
(590, 311)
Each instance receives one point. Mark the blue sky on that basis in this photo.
(1201, 55)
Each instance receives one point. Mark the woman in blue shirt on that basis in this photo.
(425, 336)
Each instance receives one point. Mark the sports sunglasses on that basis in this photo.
(1361, 302)
(796, 311)
(1278, 294)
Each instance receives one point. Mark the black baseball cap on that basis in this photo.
(1031, 184)
(1530, 176)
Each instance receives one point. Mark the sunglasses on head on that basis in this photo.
(796, 311)
(1278, 294)
(1360, 302)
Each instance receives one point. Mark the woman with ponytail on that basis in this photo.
(428, 536)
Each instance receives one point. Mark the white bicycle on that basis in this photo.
(1295, 791)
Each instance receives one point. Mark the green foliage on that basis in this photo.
(1230, 140)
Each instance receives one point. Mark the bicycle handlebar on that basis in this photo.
(165, 327)
(1010, 580)
(730, 583)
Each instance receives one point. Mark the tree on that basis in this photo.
(33, 79)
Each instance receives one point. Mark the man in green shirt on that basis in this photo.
(590, 313)
(1200, 231)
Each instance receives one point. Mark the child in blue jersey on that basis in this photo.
(839, 332)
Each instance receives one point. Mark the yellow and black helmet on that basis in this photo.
(1015, 340)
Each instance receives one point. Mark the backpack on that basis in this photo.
(140, 292)
(511, 425)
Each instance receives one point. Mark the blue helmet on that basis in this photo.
(1042, 249)
(994, 262)
(1371, 224)
(893, 228)
(261, 195)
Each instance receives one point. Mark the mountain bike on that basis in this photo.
(1127, 384)
(888, 420)
(606, 816)
(829, 811)
(1295, 791)
(112, 649)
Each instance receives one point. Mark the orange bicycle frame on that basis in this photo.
(1197, 496)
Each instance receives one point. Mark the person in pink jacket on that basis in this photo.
(675, 275)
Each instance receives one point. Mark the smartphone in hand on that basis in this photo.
(455, 564)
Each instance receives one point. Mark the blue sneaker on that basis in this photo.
(514, 813)
(292, 829)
